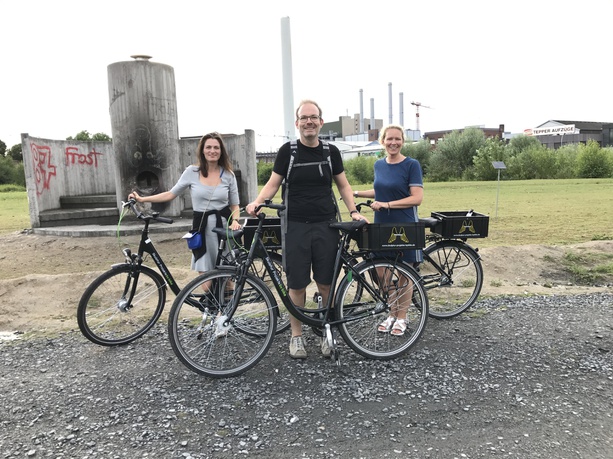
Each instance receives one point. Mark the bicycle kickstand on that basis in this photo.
(331, 335)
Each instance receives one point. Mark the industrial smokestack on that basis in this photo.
(401, 108)
(389, 96)
(361, 112)
(288, 79)
(372, 113)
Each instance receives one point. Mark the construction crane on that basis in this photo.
(417, 105)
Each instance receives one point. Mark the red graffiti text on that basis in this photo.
(74, 157)
(43, 169)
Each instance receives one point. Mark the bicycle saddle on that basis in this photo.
(429, 222)
(228, 233)
(348, 227)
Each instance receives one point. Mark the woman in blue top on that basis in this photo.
(398, 191)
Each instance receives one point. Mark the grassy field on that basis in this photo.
(14, 214)
(548, 212)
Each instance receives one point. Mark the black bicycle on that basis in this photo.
(237, 326)
(125, 302)
(451, 270)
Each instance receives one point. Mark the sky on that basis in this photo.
(474, 62)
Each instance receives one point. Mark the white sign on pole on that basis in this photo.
(552, 130)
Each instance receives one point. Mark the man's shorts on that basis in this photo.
(310, 246)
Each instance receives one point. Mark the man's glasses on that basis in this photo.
(313, 118)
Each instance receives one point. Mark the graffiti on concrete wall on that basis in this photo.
(44, 170)
(73, 156)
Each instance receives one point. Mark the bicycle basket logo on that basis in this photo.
(467, 225)
(398, 233)
(270, 237)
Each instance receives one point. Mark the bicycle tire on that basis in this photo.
(108, 317)
(207, 343)
(258, 269)
(452, 293)
(395, 282)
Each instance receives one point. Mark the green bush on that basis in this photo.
(11, 172)
(9, 188)
(536, 162)
(594, 162)
(421, 151)
(493, 150)
(566, 161)
(264, 171)
(360, 170)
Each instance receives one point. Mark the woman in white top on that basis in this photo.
(214, 194)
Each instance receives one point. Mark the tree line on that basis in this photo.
(468, 155)
(465, 155)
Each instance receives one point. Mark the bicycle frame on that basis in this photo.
(146, 246)
(428, 281)
(342, 261)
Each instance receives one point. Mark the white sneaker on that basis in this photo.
(296, 348)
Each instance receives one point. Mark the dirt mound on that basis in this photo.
(43, 277)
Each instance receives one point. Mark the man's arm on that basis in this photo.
(344, 188)
(268, 192)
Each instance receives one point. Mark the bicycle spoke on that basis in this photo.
(453, 278)
(232, 333)
(105, 314)
(393, 287)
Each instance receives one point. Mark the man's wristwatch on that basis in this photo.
(355, 194)
(353, 212)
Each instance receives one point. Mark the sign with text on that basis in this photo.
(552, 130)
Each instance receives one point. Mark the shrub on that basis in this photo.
(594, 162)
(566, 161)
(11, 172)
(264, 171)
(361, 170)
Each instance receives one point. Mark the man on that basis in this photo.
(309, 242)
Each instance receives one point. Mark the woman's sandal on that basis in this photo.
(386, 325)
(400, 326)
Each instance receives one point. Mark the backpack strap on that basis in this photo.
(329, 159)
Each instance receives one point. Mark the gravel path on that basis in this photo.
(514, 378)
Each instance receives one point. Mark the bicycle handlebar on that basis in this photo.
(359, 205)
(131, 203)
(269, 204)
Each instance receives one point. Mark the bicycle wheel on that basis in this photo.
(121, 305)
(453, 276)
(215, 339)
(400, 290)
(258, 269)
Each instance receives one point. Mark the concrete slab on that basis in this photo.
(180, 225)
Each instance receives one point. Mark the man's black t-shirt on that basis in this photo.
(310, 187)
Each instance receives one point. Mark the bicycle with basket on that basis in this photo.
(235, 333)
(451, 270)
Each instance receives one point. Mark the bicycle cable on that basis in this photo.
(122, 214)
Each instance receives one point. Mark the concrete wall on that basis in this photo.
(56, 168)
(59, 168)
(241, 149)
